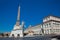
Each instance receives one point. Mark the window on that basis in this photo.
(45, 25)
(49, 24)
(13, 35)
(7, 35)
(18, 35)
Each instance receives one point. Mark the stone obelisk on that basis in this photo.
(18, 17)
(18, 29)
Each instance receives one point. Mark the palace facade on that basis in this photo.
(50, 25)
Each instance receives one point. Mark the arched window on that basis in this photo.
(7, 35)
(13, 35)
(18, 35)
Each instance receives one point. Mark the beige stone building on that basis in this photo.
(34, 30)
(5, 34)
(51, 25)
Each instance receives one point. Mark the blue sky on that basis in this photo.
(32, 12)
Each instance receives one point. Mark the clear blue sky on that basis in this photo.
(32, 12)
